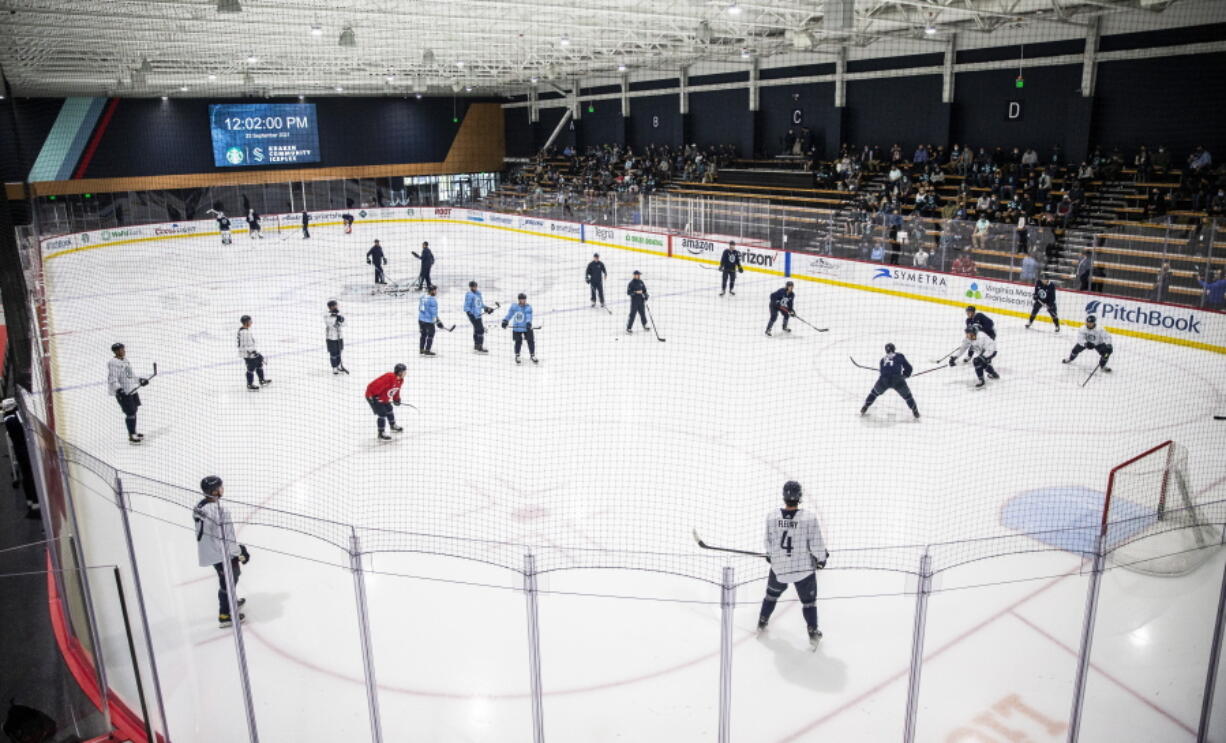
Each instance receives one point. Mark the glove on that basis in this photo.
(438, 323)
(906, 375)
(143, 382)
(339, 319)
(953, 361)
(587, 280)
(768, 559)
(489, 311)
(243, 555)
(740, 270)
(396, 403)
(368, 261)
(504, 323)
(120, 395)
(820, 564)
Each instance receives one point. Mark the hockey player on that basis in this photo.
(795, 550)
(427, 262)
(729, 267)
(382, 393)
(1093, 338)
(783, 302)
(982, 348)
(375, 257)
(123, 384)
(253, 358)
(975, 317)
(306, 225)
(223, 226)
(253, 225)
(594, 276)
(637, 292)
(427, 321)
(1044, 296)
(474, 308)
(347, 218)
(215, 542)
(519, 317)
(894, 370)
(334, 336)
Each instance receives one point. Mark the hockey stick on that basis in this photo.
(444, 327)
(706, 546)
(938, 367)
(155, 372)
(860, 366)
(654, 329)
(806, 322)
(409, 405)
(1092, 373)
(1219, 417)
(951, 353)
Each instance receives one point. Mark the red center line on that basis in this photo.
(1140, 697)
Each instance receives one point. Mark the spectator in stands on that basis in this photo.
(1030, 268)
(1217, 205)
(964, 265)
(1161, 282)
(1161, 159)
(921, 155)
(1114, 166)
(1065, 211)
(1199, 161)
(1084, 268)
(1142, 162)
(967, 161)
(1085, 172)
(878, 253)
(1099, 273)
(1030, 158)
(1156, 206)
(1020, 234)
(1056, 158)
(895, 174)
(1044, 185)
(920, 258)
(896, 154)
(979, 238)
(1215, 291)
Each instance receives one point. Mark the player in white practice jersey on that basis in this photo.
(252, 357)
(334, 336)
(795, 550)
(981, 349)
(123, 384)
(215, 541)
(1093, 338)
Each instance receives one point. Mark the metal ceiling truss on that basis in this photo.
(159, 47)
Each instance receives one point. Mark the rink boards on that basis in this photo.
(1167, 323)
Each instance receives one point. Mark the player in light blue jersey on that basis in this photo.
(427, 321)
(519, 317)
(474, 308)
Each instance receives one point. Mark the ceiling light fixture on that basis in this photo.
(621, 68)
(418, 96)
(565, 41)
(389, 77)
(301, 97)
(468, 88)
(340, 89)
(745, 53)
(459, 63)
(183, 88)
(456, 86)
(252, 59)
(229, 6)
(427, 57)
(347, 37)
(165, 97)
(930, 30)
(704, 32)
(317, 30)
(734, 9)
(212, 77)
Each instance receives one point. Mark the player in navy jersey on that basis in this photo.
(783, 302)
(975, 317)
(1044, 296)
(894, 372)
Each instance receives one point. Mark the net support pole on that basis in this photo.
(534, 648)
(1087, 638)
(236, 625)
(1215, 659)
(122, 501)
(368, 655)
(923, 589)
(727, 603)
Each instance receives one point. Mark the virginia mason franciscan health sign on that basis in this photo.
(247, 134)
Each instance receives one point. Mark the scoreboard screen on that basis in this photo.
(247, 134)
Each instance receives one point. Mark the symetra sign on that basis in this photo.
(1187, 322)
(932, 282)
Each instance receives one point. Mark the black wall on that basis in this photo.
(1048, 101)
(906, 110)
(605, 125)
(655, 119)
(777, 105)
(149, 137)
(721, 117)
(518, 132)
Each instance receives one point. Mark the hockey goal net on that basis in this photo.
(1152, 522)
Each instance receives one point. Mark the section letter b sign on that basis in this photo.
(1013, 111)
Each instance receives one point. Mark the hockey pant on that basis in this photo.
(128, 404)
(524, 335)
(426, 339)
(1104, 352)
(306, 232)
(598, 291)
(638, 306)
(727, 281)
(478, 331)
(334, 351)
(223, 595)
(898, 384)
(348, 226)
(423, 279)
(379, 277)
(255, 368)
(806, 588)
(775, 313)
(984, 364)
(253, 231)
(225, 237)
(1051, 310)
(384, 411)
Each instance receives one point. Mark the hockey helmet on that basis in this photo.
(889, 348)
(791, 492)
(1091, 321)
(210, 484)
(399, 368)
(245, 319)
(115, 347)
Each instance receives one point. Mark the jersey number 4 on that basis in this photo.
(785, 543)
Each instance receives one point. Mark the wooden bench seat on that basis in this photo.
(802, 189)
(766, 197)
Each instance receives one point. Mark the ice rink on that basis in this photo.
(601, 461)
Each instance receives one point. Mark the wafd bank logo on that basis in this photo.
(1137, 315)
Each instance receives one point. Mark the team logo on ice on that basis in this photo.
(234, 156)
(973, 292)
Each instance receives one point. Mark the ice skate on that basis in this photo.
(863, 409)
(479, 349)
(535, 360)
(135, 438)
(517, 359)
(253, 387)
(762, 625)
(265, 381)
(385, 436)
(815, 636)
(224, 621)
(397, 427)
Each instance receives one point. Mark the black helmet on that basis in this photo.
(889, 348)
(210, 484)
(472, 285)
(399, 368)
(970, 308)
(972, 329)
(115, 347)
(1091, 320)
(245, 319)
(791, 492)
(522, 296)
(331, 303)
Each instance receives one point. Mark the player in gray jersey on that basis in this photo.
(1093, 338)
(795, 550)
(982, 349)
(334, 336)
(215, 541)
(123, 384)
(253, 358)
